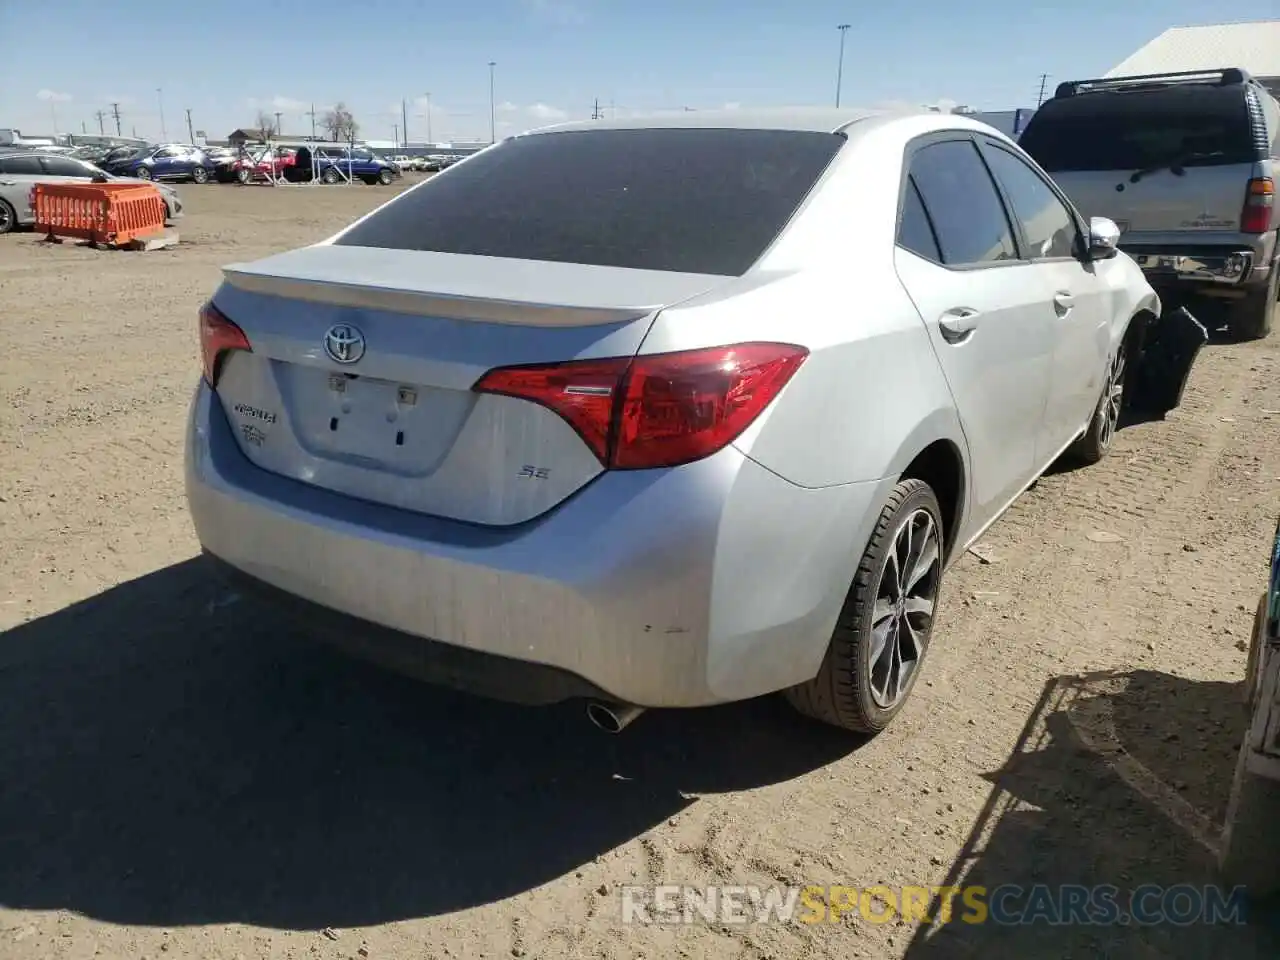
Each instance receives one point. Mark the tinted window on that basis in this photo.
(61, 167)
(1049, 227)
(686, 200)
(20, 165)
(1132, 131)
(915, 233)
(967, 213)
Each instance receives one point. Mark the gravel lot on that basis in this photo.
(181, 773)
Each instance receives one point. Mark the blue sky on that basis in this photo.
(226, 61)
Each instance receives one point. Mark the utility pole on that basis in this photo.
(84, 128)
(595, 110)
(278, 127)
(190, 130)
(428, 96)
(493, 110)
(404, 120)
(843, 28)
(101, 129)
(397, 129)
(1044, 79)
(115, 112)
(312, 114)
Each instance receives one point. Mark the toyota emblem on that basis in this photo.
(344, 343)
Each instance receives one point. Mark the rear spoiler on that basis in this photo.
(1223, 77)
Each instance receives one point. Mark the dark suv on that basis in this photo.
(334, 164)
(1185, 164)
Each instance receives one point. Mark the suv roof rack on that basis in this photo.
(1223, 77)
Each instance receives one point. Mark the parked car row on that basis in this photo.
(20, 171)
(432, 163)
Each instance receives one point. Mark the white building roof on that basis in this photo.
(1254, 45)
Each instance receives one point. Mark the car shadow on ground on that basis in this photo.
(1121, 780)
(172, 755)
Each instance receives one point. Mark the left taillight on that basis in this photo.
(1259, 201)
(218, 337)
(658, 410)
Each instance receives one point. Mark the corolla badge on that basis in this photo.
(344, 343)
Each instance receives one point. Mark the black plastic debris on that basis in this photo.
(1172, 345)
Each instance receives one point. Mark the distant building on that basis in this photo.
(1253, 46)
(238, 138)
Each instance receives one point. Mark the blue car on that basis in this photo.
(170, 161)
(333, 164)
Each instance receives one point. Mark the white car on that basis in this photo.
(19, 172)
(661, 413)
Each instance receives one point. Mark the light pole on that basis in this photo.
(164, 134)
(428, 97)
(843, 28)
(278, 127)
(404, 120)
(493, 111)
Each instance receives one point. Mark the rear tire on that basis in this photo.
(8, 217)
(143, 173)
(385, 177)
(243, 175)
(1254, 317)
(329, 176)
(199, 174)
(1097, 440)
(862, 685)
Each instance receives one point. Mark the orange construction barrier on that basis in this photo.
(98, 212)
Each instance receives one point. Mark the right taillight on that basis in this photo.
(1259, 201)
(218, 336)
(659, 410)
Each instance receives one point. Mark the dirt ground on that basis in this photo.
(182, 774)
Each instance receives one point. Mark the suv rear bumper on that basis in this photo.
(1230, 261)
(1231, 267)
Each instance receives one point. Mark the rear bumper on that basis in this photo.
(1235, 261)
(708, 583)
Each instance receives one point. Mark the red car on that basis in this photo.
(270, 165)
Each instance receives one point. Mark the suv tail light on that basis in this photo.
(218, 337)
(660, 410)
(1259, 201)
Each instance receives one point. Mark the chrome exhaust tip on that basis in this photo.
(612, 717)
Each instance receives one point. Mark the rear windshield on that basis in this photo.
(1199, 126)
(684, 200)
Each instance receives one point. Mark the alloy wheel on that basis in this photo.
(1112, 400)
(904, 605)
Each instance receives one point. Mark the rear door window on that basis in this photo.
(62, 167)
(961, 199)
(25, 166)
(689, 200)
(915, 232)
(1196, 126)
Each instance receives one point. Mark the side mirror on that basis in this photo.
(1104, 238)
(100, 178)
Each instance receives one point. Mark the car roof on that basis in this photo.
(812, 119)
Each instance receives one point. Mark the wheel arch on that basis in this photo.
(936, 453)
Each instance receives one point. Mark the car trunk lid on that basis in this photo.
(363, 360)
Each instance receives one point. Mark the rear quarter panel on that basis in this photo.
(870, 396)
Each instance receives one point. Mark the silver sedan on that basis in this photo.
(661, 413)
(19, 172)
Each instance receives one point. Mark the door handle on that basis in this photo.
(1063, 301)
(958, 324)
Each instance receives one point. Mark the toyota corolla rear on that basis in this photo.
(465, 432)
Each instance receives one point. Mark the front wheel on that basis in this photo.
(384, 177)
(329, 176)
(1097, 440)
(199, 174)
(243, 175)
(879, 644)
(143, 173)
